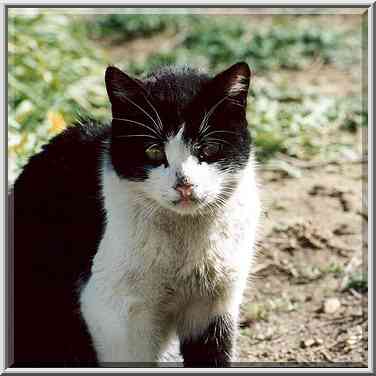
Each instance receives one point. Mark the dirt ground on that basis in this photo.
(298, 308)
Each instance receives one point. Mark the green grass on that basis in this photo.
(213, 42)
(300, 123)
(278, 47)
(123, 27)
(56, 71)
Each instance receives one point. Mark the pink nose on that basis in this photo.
(184, 190)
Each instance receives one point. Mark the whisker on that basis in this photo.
(137, 135)
(210, 112)
(203, 125)
(220, 141)
(152, 145)
(141, 124)
(153, 108)
(140, 108)
(212, 132)
(156, 112)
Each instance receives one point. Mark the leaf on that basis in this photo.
(57, 122)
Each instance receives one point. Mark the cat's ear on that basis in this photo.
(234, 82)
(121, 88)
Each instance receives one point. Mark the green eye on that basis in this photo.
(155, 153)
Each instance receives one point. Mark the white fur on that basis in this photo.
(163, 270)
(238, 86)
(206, 179)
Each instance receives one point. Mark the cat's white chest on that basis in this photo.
(147, 272)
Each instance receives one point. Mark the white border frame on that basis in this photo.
(217, 4)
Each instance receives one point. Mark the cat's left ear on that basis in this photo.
(234, 82)
(121, 88)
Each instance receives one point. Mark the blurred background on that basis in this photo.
(308, 117)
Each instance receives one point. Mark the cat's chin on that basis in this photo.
(182, 207)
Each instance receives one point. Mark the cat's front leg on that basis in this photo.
(137, 338)
(124, 331)
(212, 346)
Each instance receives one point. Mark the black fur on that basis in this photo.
(179, 96)
(213, 347)
(169, 91)
(58, 217)
(58, 223)
(228, 118)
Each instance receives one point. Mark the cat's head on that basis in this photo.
(180, 136)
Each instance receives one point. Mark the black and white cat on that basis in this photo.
(129, 235)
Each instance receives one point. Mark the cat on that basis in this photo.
(131, 234)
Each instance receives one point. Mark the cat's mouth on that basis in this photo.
(186, 202)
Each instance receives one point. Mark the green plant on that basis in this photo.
(298, 122)
(256, 311)
(333, 268)
(292, 47)
(54, 73)
(216, 42)
(359, 282)
(122, 27)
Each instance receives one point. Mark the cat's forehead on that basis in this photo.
(172, 91)
(175, 86)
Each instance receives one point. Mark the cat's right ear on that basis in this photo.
(121, 88)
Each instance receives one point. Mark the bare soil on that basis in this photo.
(298, 308)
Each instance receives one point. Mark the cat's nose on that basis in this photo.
(185, 190)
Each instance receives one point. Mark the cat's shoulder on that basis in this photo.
(72, 154)
(83, 135)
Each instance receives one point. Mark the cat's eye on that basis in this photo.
(155, 153)
(208, 151)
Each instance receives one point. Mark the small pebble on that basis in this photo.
(352, 340)
(307, 343)
(319, 341)
(331, 305)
